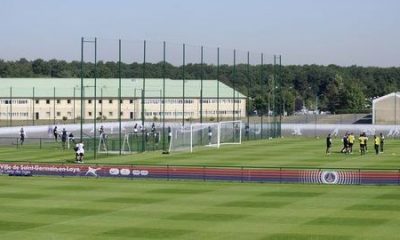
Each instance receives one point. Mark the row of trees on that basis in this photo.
(333, 88)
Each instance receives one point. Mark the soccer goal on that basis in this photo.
(230, 132)
(105, 141)
(186, 138)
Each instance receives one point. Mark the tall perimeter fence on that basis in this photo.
(139, 91)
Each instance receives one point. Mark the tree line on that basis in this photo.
(288, 88)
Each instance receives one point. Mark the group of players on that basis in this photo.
(349, 139)
(64, 136)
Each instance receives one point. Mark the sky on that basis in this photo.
(341, 32)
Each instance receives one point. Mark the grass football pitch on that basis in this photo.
(88, 208)
(84, 208)
(284, 152)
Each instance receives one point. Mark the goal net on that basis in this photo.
(230, 132)
(186, 138)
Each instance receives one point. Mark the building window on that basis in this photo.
(69, 114)
(121, 113)
(110, 101)
(100, 113)
(58, 101)
(110, 114)
(69, 101)
(90, 114)
(131, 101)
(90, 101)
(37, 101)
(100, 101)
(122, 101)
(58, 114)
(48, 114)
(47, 101)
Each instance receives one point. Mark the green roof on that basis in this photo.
(108, 87)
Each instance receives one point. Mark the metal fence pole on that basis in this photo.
(143, 94)
(218, 119)
(95, 99)
(82, 113)
(163, 103)
(183, 85)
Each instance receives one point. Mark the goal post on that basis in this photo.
(230, 132)
(185, 138)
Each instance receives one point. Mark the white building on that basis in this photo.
(386, 109)
(58, 98)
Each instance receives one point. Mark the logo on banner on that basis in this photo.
(329, 177)
(114, 171)
(92, 171)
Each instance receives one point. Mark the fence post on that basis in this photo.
(398, 178)
(168, 172)
(241, 174)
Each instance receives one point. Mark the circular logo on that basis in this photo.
(329, 177)
(125, 172)
(114, 171)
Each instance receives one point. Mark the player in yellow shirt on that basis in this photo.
(363, 140)
(351, 142)
(377, 141)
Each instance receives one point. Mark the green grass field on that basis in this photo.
(88, 208)
(286, 152)
(81, 208)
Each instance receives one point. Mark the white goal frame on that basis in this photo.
(218, 143)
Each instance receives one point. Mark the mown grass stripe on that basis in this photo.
(76, 212)
(300, 194)
(146, 233)
(254, 204)
(209, 217)
(374, 207)
(131, 200)
(342, 221)
(18, 225)
(303, 236)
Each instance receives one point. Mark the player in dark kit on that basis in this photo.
(22, 136)
(382, 138)
(328, 144)
(55, 133)
(64, 138)
(345, 140)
